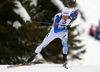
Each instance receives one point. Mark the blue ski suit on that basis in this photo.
(58, 31)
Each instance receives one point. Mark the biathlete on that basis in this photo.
(59, 29)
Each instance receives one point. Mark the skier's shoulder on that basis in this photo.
(58, 14)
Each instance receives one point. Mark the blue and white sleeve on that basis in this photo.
(56, 29)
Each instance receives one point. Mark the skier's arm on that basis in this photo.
(74, 14)
(56, 30)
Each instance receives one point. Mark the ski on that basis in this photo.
(11, 66)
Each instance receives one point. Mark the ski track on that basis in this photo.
(51, 68)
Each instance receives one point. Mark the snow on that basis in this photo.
(9, 22)
(34, 2)
(58, 3)
(22, 11)
(51, 68)
(23, 14)
(91, 12)
(16, 24)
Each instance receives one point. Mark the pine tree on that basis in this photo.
(16, 45)
(7, 17)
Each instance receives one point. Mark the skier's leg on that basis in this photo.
(65, 47)
(45, 42)
(49, 37)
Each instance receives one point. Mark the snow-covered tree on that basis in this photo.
(18, 39)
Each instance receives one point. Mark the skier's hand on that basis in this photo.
(74, 14)
(67, 27)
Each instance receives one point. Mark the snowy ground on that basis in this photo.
(51, 68)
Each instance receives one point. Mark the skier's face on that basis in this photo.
(65, 17)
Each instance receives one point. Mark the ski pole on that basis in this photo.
(75, 4)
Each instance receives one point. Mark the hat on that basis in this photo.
(65, 11)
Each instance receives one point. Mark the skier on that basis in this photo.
(59, 29)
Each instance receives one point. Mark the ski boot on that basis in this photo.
(29, 60)
(65, 65)
(65, 61)
(32, 57)
(25, 63)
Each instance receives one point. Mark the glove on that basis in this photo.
(67, 27)
(74, 14)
